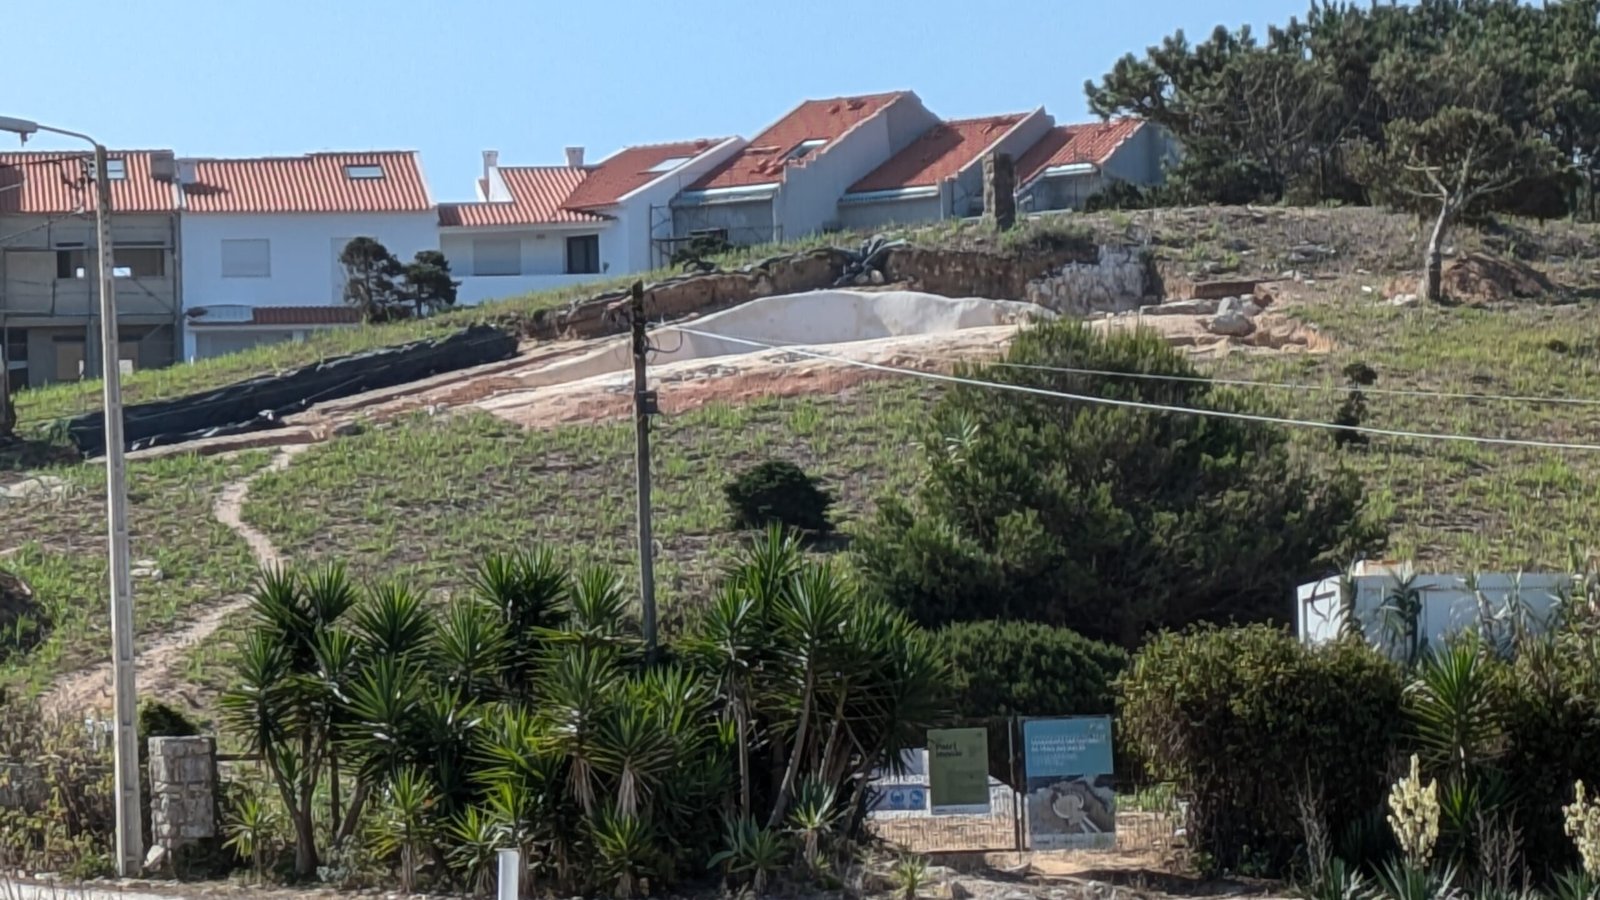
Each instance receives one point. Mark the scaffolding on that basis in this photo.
(672, 228)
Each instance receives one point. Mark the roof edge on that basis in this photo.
(668, 174)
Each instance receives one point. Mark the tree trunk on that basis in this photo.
(1432, 261)
(352, 818)
(780, 806)
(739, 718)
(335, 817)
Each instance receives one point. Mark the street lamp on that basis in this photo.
(130, 836)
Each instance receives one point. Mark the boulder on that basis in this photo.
(1231, 324)
(1181, 308)
(1405, 301)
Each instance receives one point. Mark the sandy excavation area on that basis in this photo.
(565, 382)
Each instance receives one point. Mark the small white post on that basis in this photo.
(510, 886)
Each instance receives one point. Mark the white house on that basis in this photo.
(787, 182)
(261, 239)
(940, 174)
(539, 227)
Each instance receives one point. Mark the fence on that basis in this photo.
(1148, 819)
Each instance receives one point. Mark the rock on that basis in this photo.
(145, 568)
(1216, 290)
(1366, 289)
(1232, 324)
(35, 487)
(348, 429)
(875, 277)
(1310, 253)
(1228, 305)
(960, 891)
(1405, 301)
(1181, 308)
(1249, 308)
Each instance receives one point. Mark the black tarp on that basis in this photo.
(262, 403)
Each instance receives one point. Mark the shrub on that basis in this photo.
(1111, 521)
(778, 491)
(1028, 669)
(1246, 722)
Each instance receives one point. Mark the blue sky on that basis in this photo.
(450, 79)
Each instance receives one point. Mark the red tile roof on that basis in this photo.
(1067, 145)
(314, 183)
(53, 183)
(538, 194)
(939, 153)
(291, 315)
(762, 162)
(629, 169)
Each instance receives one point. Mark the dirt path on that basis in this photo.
(160, 657)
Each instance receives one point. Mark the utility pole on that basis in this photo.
(125, 701)
(644, 406)
(130, 833)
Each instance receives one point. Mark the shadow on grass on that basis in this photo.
(19, 453)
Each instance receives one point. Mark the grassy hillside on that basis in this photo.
(426, 497)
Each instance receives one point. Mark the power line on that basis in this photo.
(1153, 407)
(1291, 386)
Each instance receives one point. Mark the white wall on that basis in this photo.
(626, 248)
(304, 257)
(480, 289)
(808, 200)
(1142, 158)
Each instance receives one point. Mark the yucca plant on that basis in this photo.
(910, 876)
(470, 649)
(811, 817)
(1453, 708)
(578, 687)
(252, 830)
(625, 849)
(1336, 880)
(1575, 885)
(1400, 880)
(475, 838)
(524, 592)
(751, 851)
(404, 822)
(392, 622)
(810, 622)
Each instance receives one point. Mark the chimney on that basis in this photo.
(491, 160)
(575, 157)
(186, 171)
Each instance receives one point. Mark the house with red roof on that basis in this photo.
(261, 240)
(539, 227)
(940, 174)
(787, 181)
(49, 264)
(1072, 163)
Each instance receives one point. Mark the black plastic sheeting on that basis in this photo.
(262, 403)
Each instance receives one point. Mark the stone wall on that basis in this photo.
(1119, 280)
(994, 274)
(183, 782)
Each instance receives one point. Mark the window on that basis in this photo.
(497, 256)
(583, 255)
(140, 261)
(72, 262)
(804, 148)
(364, 171)
(116, 169)
(668, 164)
(247, 258)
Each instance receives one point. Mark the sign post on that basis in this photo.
(1071, 800)
(958, 771)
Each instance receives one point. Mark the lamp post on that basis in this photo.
(130, 835)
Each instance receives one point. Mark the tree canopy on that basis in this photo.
(1107, 520)
(384, 289)
(1307, 112)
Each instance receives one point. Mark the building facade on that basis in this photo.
(262, 239)
(49, 264)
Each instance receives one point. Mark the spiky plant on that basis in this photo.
(475, 837)
(471, 651)
(811, 817)
(625, 847)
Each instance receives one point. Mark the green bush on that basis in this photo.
(1111, 521)
(1551, 726)
(1028, 669)
(778, 491)
(1247, 723)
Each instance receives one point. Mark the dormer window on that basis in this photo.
(116, 169)
(363, 172)
(803, 149)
